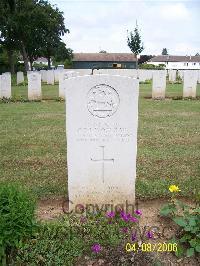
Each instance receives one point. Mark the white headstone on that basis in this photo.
(172, 75)
(198, 76)
(148, 73)
(43, 75)
(144, 75)
(50, 77)
(63, 75)
(121, 72)
(102, 120)
(34, 86)
(56, 74)
(20, 77)
(82, 72)
(159, 84)
(190, 83)
(5, 85)
(181, 73)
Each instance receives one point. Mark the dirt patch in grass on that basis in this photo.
(49, 209)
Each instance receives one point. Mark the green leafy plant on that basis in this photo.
(62, 241)
(187, 218)
(151, 66)
(17, 219)
(54, 244)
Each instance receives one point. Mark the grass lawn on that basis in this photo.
(33, 143)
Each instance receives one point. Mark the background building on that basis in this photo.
(103, 60)
(176, 62)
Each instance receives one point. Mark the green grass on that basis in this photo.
(33, 143)
(49, 92)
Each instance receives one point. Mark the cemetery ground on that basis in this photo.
(33, 154)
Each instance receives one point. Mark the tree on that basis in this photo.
(164, 51)
(53, 28)
(102, 52)
(15, 31)
(134, 42)
(144, 58)
(62, 53)
(7, 35)
(32, 26)
(197, 54)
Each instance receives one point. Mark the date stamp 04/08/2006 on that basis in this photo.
(150, 247)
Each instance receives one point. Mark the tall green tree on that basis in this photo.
(62, 53)
(52, 29)
(7, 33)
(35, 27)
(164, 51)
(135, 43)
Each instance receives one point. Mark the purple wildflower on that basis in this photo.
(149, 234)
(124, 230)
(110, 214)
(134, 236)
(96, 248)
(133, 219)
(138, 212)
(124, 216)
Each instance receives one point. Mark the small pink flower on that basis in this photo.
(133, 219)
(149, 235)
(124, 216)
(96, 248)
(110, 214)
(138, 212)
(124, 230)
(134, 236)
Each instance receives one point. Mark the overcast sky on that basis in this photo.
(102, 25)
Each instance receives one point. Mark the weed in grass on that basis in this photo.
(188, 220)
(17, 219)
(62, 242)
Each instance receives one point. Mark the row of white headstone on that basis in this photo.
(52, 76)
(47, 76)
(142, 74)
(190, 79)
(36, 77)
(34, 83)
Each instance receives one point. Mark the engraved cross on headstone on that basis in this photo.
(103, 160)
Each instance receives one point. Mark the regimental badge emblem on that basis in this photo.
(102, 101)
